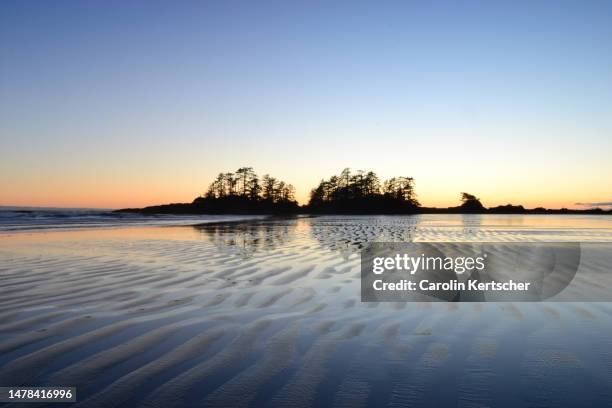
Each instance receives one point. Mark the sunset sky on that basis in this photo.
(117, 104)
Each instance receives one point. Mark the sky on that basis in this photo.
(124, 104)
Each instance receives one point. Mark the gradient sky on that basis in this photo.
(115, 104)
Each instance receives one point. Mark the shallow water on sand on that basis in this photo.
(268, 312)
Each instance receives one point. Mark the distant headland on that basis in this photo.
(360, 192)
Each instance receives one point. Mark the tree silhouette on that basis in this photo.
(254, 189)
(465, 197)
(241, 191)
(245, 175)
(269, 184)
(361, 192)
(470, 202)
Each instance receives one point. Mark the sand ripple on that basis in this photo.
(268, 314)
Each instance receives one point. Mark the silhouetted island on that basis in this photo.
(241, 192)
(364, 193)
(244, 192)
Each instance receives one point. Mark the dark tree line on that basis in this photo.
(360, 192)
(244, 190)
(363, 192)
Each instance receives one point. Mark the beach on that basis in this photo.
(267, 312)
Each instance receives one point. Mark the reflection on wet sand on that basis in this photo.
(248, 237)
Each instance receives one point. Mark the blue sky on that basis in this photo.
(117, 103)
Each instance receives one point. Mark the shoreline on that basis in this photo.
(253, 220)
(188, 209)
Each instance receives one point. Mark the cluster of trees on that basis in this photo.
(244, 190)
(470, 202)
(363, 192)
(360, 192)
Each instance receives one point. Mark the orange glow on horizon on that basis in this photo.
(127, 196)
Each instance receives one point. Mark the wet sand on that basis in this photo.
(268, 313)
